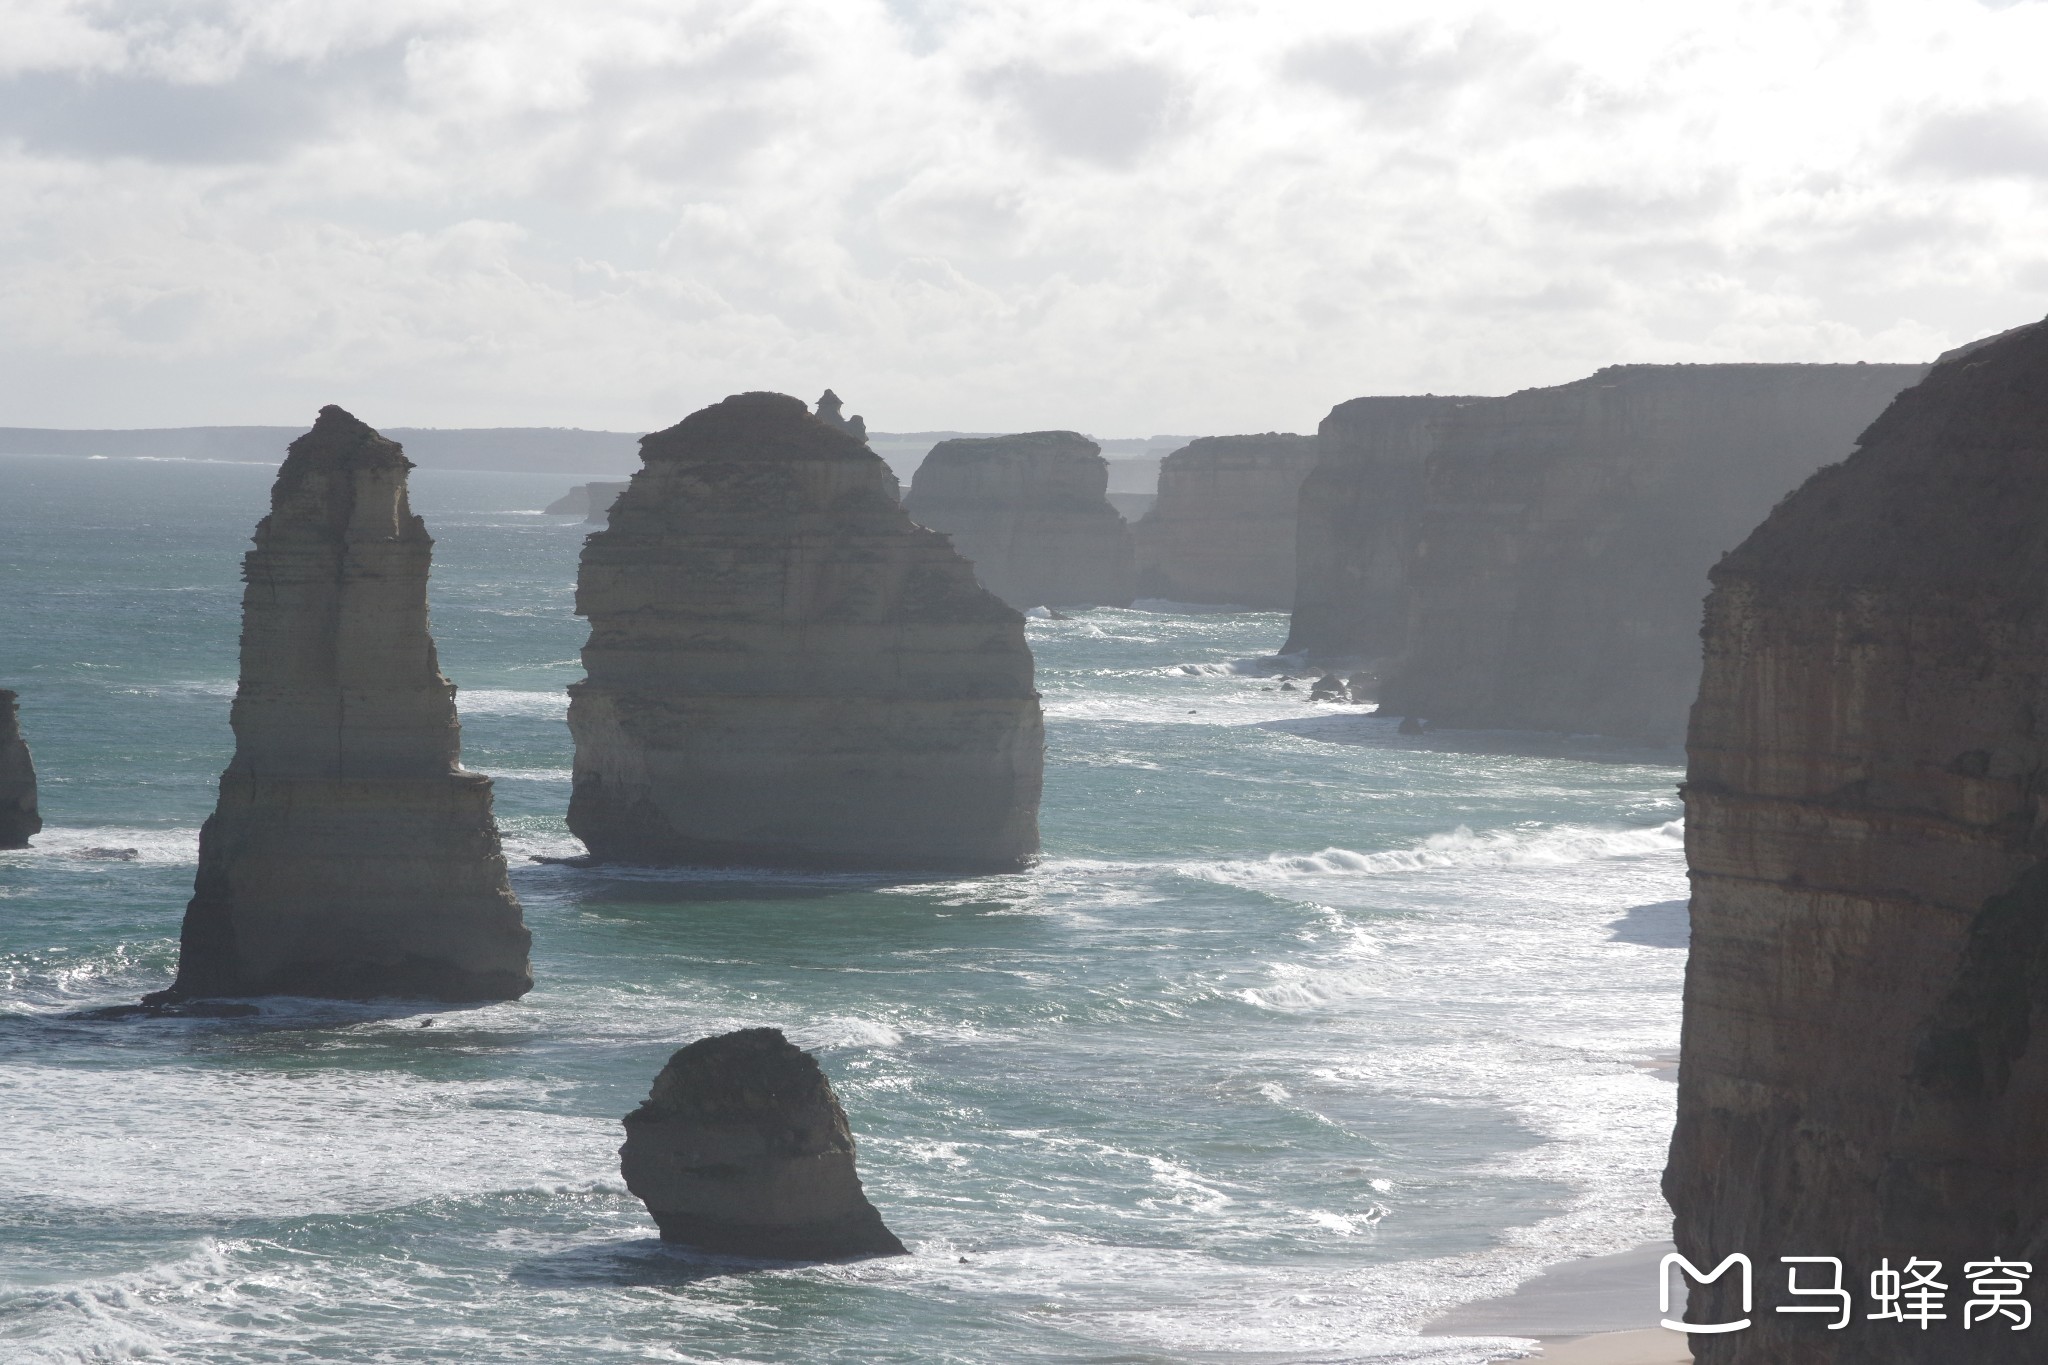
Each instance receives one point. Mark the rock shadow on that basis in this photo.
(1665, 924)
(648, 1263)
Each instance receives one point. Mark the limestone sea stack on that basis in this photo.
(1223, 528)
(1032, 514)
(591, 501)
(1861, 1073)
(18, 818)
(1558, 558)
(1355, 529)
(742, 1148)
(350, 854)
(783, 670)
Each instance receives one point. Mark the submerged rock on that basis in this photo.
(18, 817)
(1223, 527)
(1863, 1071)
(1032, 514)
(742, 1148)
(350, 854)
(785, 671)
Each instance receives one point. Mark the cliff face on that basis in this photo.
(18, 818)
(1864, 822)
(1223, 528)
(784, 670)
(1030, 512)
(350, 854)
(742, 1148)
(1355, 528)
(1564, 536)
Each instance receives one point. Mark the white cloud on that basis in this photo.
(1128, 216)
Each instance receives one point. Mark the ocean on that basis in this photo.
(1302, 1032)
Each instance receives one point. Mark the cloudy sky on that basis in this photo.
(1123, 216)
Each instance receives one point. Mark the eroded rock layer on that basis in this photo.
(1355, 528)
(350, 853)
(743, 1148)
(18, 817)
(1559, 557)
(785, 671)
(1030, 512)
(1861, 1074)
(1223, 528)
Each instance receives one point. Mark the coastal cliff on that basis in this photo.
(742, 1148)
(1560, 547)
(1864, 823)
(1223, 528)
(18, 818)
(784, 670)
(1030, 512)
(1355, 527)
(350, 853)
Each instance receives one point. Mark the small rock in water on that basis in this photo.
(1329, 687)
(742, 1148)
(1412, 725)
(1289, 687)
(108, 855)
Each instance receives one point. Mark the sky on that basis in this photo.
(1118, 216)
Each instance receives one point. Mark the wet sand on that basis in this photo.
(1598, 1311)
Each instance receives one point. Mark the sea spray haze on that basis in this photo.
(1266, 1058)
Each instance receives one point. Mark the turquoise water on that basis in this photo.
(1302, 1032)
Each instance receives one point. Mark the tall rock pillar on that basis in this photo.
(18, 818)
(1865, 1064)
(784, 670)
(350, 854)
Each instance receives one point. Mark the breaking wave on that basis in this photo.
(1460, 849)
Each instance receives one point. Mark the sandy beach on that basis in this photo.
(1598, 1311)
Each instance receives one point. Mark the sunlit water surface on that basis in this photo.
(1302, 1032)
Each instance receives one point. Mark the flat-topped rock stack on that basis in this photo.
(1864, 1072)
(19, 820)
(1223, 528)
(743, 1148)
(350, 854)
(785, 671)
(1032, 513)
(591, 501)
